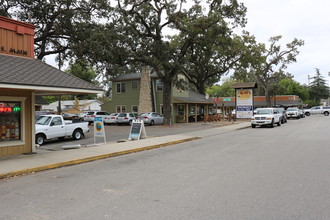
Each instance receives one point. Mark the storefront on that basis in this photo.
(22, 78)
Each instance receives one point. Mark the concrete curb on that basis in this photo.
(89, 159)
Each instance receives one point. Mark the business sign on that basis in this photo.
(244, 103)
(137, 130)
(99, 128)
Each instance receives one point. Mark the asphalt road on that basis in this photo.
(261, 173)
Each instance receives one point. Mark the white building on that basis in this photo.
(84, 105)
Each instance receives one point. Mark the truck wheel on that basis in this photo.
(307, 114)
(40, 139)
(272, 124)
(253, 126)
(326, 113)
(77, 134)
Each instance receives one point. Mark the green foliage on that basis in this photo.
(288, 86)
(223, 90)
(267, 65)
(318, 89)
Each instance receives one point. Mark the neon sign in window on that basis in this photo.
(10, 121)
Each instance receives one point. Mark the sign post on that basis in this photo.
(137, 130)
(99, 128)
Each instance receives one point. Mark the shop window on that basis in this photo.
(10, 120)
(180, 109)
(120, 87)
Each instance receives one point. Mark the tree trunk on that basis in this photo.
(268, 100)
(167, 96)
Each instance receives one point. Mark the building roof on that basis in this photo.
(22, 71)
(244, 85)
(132, 76)
(193, 97)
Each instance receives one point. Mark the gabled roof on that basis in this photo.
(132, 76)
(22, 71)
(193, 97)
(244, 85)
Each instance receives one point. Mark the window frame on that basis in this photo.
(22, 140)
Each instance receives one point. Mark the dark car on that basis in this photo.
(284, 117)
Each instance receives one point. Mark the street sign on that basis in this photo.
(99, 128)
(137, 130)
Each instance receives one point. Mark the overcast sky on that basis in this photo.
(302, 19)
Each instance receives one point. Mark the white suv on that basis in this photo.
(266, 116)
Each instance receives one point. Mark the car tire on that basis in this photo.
(77, 134)
(307, 114)
(151, 123)
(272, 124)
(326, 113)
(130, 122)
(40, 139)
(253, 126)
(279, 123)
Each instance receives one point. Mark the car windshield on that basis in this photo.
(43, 120)
(264, 112)
(292, 109)
(90, 113)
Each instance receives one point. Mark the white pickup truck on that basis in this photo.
(325, 110)
(266, 116)
(54, 126)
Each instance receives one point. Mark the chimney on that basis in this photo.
(145, 100)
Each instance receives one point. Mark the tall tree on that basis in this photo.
(146, 32)
(56, 20)
(318, 88)
(268, 66)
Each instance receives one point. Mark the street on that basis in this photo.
(261, 173)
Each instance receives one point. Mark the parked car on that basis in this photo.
(301, 113)
(293, 112)
(325, 110)
(284, 118)
(69, 116)
(126, 118)
(266, 116)
(54, 126)
(152, 118)
(113, 118)
(91, 115)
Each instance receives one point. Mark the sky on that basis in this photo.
(301, 19)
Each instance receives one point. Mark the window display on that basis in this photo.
(10, 121)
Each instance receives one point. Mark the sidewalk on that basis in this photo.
(45, 160)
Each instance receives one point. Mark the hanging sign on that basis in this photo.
(137, 130)
(244, 103)
(99, 128)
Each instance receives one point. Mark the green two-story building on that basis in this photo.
(143, 92)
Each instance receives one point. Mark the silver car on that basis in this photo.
(126, 118)
(152, 118)
(113, 118)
